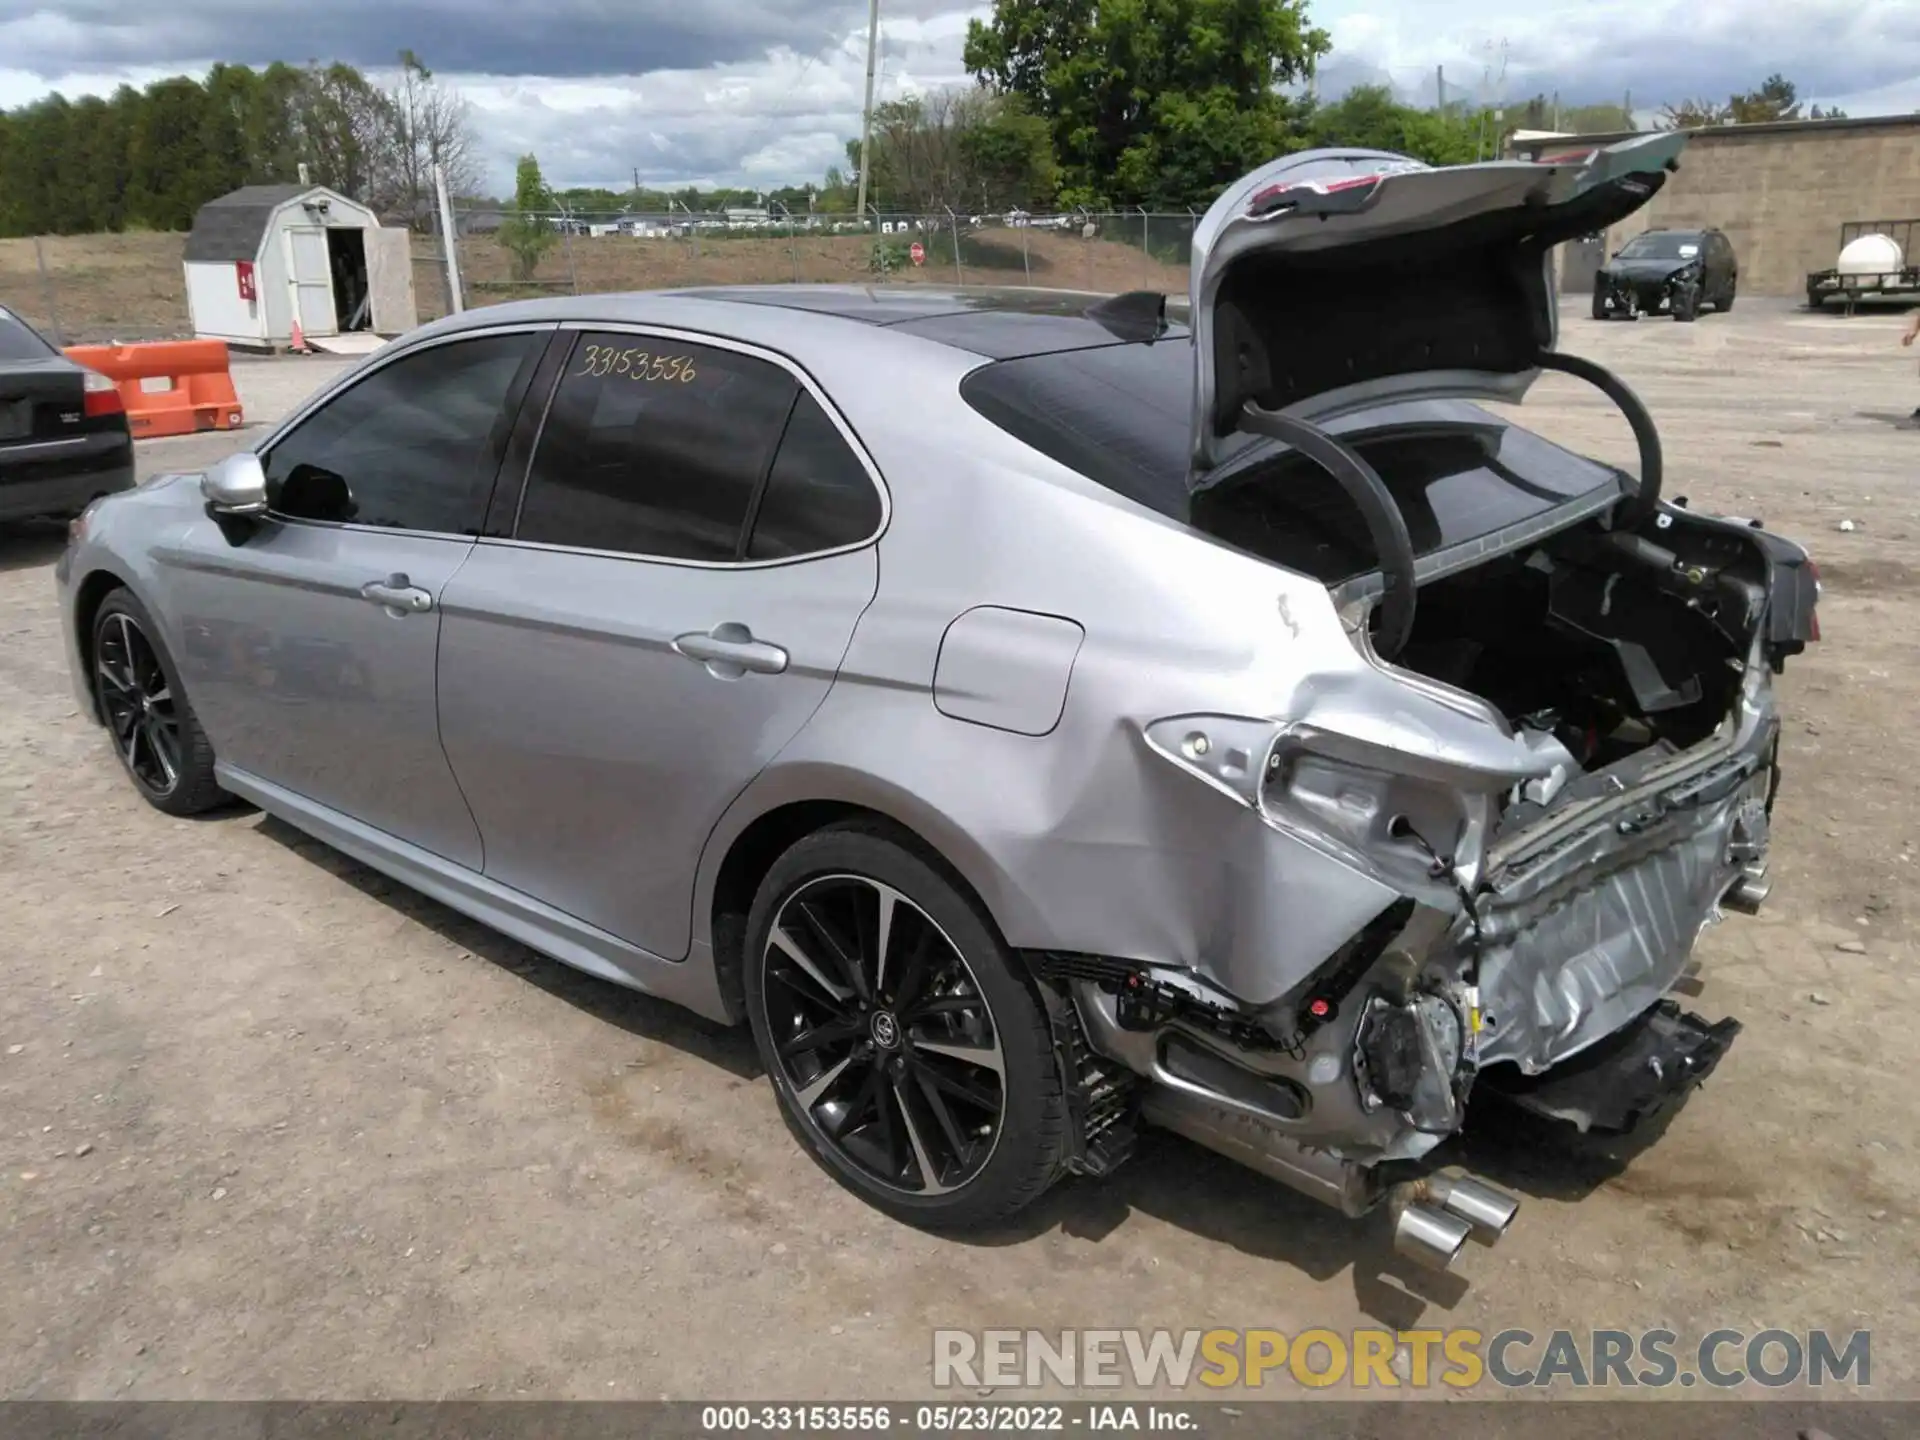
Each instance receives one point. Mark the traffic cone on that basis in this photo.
(298, 342)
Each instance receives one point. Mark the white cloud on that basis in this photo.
(762, 92)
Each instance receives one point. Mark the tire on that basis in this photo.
(1599, 306)
(990, 1146)
(1726, 302)
(154, 731)
(1686, 309)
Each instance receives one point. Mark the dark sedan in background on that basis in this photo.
(1667, 272)
(63, 429)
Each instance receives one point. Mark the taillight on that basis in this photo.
(102, 395)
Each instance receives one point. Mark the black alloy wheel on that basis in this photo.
(138, 704)
(908, 1056)
(155, 732)
(883, 1035)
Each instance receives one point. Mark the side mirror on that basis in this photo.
(237, 486)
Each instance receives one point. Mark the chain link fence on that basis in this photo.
(97, 289)
(1105, 252)
(125, 288)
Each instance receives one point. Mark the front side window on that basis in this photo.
(410, 447)
(655, 447)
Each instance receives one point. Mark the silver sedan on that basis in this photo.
(1036, 715)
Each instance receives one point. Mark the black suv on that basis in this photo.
(1667, 272)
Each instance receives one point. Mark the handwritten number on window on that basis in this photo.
(640, 366)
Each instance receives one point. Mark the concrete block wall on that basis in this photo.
(1781, 193)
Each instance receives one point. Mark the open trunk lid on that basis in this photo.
(1333, 279)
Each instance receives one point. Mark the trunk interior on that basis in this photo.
(1619, 645)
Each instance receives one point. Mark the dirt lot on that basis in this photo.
(103, 288)
(270, 1126)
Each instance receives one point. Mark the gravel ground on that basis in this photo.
(271, 1126)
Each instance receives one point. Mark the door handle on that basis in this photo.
(397, 595)
(730, 651)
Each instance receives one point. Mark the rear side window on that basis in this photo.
(413, 446)
(818, 496)
(18, 340)
(654, 447)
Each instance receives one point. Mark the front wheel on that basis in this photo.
(1686, 306)
(1599, 305)
(908, 1054)
(155, 732)
(1726, 302)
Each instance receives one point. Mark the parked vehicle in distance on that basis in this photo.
(1667, 272)
(64, 438)
(1035, 716)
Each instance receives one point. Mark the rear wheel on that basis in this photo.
(909, 1056)
(1726, 301)
(155, 732)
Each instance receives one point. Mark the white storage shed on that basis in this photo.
(265, 253)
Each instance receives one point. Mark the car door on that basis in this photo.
(667, 607)
(308, 640)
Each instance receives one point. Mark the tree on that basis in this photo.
(527, 233)
(1776, 99)
(169, 178)
(1370, 118)
(1161, 102)
(959, 150)
(432, 125)
(343, 128)
(1693, 115)
(1832, 112)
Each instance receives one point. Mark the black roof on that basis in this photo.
(231, 227)
(998, 323)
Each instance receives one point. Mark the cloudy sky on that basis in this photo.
(764, 92)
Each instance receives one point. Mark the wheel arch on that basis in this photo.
(88, 596)
(784, 807)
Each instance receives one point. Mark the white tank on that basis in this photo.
(1871, 255)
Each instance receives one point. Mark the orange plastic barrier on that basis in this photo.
(172, 387)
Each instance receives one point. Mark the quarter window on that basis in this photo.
(818, 495)
(413, 446)
(654, 446)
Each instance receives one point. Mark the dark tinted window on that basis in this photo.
(1119, 416)
(654, 447)
(413, 446)
(18, 340)
(818, 495)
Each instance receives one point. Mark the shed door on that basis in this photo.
(390, 280)
(312, 278)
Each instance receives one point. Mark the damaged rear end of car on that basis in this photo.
(1549, 755)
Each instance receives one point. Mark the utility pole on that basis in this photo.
(866, 117)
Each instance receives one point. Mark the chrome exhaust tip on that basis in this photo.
(1486, 1210)
(1429, 1237)
(1750, 891)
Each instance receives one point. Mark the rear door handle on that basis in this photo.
(729, 651)
(397, 595)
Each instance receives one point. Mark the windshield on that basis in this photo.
(18, 340)
(1661, 247)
